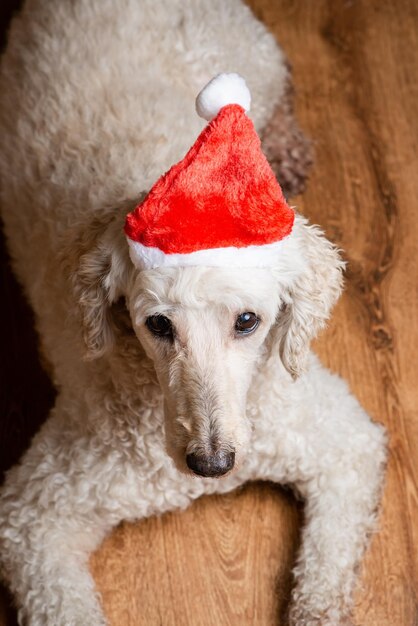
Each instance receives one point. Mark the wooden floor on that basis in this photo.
(227, 559)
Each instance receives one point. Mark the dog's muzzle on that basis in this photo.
(211, 465)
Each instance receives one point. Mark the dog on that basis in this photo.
(158, 401)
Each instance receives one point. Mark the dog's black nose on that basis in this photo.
(211, 465)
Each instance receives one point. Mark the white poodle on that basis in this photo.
(97, 100)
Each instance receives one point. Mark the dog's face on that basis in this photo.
(207, 329)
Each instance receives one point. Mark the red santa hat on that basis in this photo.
(221, 205)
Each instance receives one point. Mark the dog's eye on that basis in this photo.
(246, 323)
(160, 325)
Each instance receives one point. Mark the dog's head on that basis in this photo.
(207, 330)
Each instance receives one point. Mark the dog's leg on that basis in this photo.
(335, 456)
(45, 542)
(45, 565)
(339, 515)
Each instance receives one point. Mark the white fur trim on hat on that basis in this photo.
(222, 90)
(146, 257)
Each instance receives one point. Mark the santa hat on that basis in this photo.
(221, 205)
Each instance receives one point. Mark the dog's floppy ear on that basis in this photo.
(308, 298)
(98, 265)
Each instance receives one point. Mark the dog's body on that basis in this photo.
(97, 101)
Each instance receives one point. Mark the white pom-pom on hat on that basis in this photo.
(222, 90)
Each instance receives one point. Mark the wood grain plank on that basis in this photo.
(353, 72)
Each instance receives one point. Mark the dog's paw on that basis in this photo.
(308, 616)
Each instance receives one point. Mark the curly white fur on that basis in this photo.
(85, 88)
